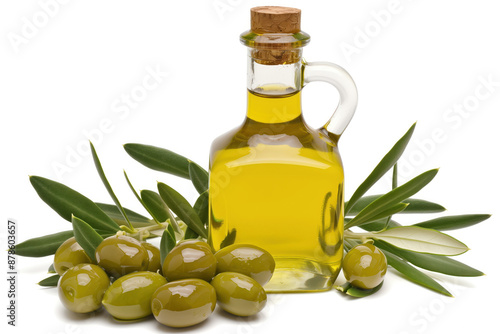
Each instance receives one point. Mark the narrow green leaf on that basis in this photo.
(418, 239)
(201, 207)
(394, 196)
(395, 176)
(190, 234)
(379, 225)
(343, 288)
(173, 221)
(349, 244)
(437, 263)
(353, 291)
(182, 208)
(171, 229)
(389, 211)
(114, 213)
(198, 176)
(167, 243)
(51, 269)
(394, 186)
(215, 222)
(139, 198)
(155, 205)
(422, 206)
(105, 181)
(229, 239)
(50, 281)
(159, 159)
(453, 222)
(413, 274)
(383, 166)
(42, 246)
(66, 201)
(86, 236)
(415, 205)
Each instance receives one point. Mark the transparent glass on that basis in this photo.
(277, 183)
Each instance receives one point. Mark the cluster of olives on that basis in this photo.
(365, 266)
(182, 291)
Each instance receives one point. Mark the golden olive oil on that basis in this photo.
(278, 184)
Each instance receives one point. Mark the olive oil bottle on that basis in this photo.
(275, 182)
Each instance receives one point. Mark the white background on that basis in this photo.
(63, 79)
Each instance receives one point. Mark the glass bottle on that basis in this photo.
(275, 182)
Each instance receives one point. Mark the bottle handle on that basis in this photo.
(338, 77)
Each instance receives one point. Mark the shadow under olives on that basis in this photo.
(248, 319)
(189, 329)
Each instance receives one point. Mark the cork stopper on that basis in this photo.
(275, 19)
(275, 36)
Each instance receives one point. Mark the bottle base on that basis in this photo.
(302, 275)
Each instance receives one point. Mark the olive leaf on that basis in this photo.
(51, 269)
(215, 222)
(50, 281)
(394, 186)
(190, 234)
(353, 291)
(229, 239)
(182, 208)
(136, 219)
(105, 181)
(66, 202)
(383, 166)
(414, 205)
(42, 246)
(158, 208)
(159, 159)
(86, 237)
(392, 197)
(201, 207)
(389, 211)
(379, 225)
(437, 263)
(141, 200)
(167, 243)
(395, 176)
(198, 176)
(413, 274)
(416, 239)
(453, 222)
(155, 205)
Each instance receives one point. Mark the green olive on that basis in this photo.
(154, 257)
(129, 297)
(120, 255)
(364, 266)
(183, 303)
(189, 260)
(249, 260)
(195, 242)
(82, 287)
(239, 294)
(68, 255)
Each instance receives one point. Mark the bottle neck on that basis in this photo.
(273, 90)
